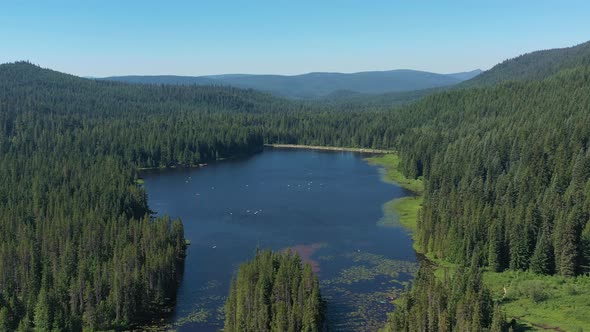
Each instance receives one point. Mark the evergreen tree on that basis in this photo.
(542, 259)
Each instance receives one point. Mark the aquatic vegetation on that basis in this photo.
(361, 294)
(361, 310)
(200, 315)
(211, 284)
(353, 274)
(205, 311)
(382, 265)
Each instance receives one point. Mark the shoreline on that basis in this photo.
(328, 148)
(402, 211)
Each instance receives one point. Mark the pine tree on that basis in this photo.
(567, 239)
(568, 253)
(494, 248)
(498, 320)
(42, 317)
(4, 320)
(542, 259)
(585, 249)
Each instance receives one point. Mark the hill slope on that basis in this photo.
(79, 249)
(316, 85)
(534, 65)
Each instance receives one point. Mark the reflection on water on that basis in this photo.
(324, 205)
(306, 251)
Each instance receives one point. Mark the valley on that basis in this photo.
(369, 200)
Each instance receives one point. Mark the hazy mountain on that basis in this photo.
(466, 75)
(317, 85)
(163, 79)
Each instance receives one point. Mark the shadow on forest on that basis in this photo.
(520, 327)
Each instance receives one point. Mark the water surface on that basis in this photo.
(325, 205)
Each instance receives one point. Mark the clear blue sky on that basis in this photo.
(101, 38)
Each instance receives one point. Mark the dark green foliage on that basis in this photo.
(274, 292)
(506, 173)
(457, 302)
(585, 248)
(542, 261)
(506, 170)
(78, 247)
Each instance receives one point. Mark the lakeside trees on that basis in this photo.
(78, 248)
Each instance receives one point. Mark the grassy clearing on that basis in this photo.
(543, 302)
(390, 162)
(407, 208)
(400, 211)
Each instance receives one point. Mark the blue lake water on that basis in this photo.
(325, 205)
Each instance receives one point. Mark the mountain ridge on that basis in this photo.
(314, 85)
(533, 65)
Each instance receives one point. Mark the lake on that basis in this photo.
(324, 205)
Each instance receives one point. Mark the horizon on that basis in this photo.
(242, 74)
(291, 75)
(267, 38)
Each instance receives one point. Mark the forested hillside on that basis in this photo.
(77, 245)
(274, 292)
(507, 172)
(533, 66)
(507, 180)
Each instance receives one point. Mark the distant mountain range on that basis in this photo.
(317, 85)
